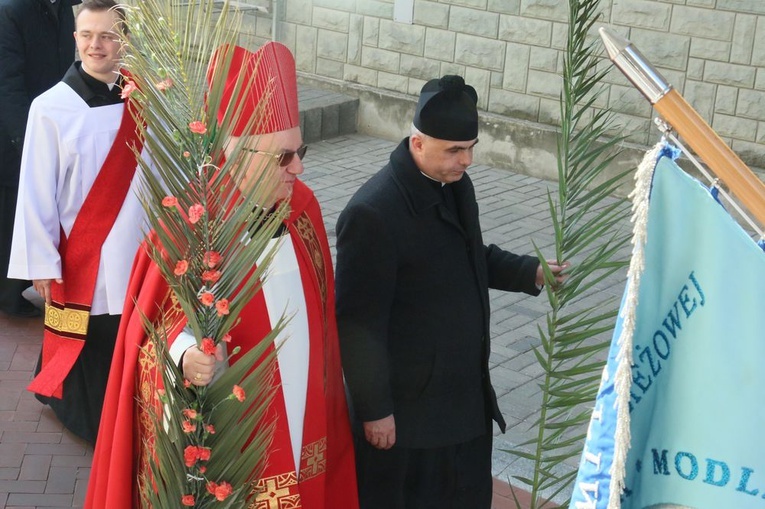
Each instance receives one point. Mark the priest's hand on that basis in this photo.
(198, 367)
(556, 270)
(381, 433)
(43, 288)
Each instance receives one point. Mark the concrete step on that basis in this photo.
(325, 114)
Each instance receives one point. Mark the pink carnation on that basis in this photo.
(181, 267)
(208, 346)
(197, 127)
(170, 201)
(207, 298)
(127, 89)
(196, 212)
(212, 258)
(211, 276)
(222, 307)
(164, 84)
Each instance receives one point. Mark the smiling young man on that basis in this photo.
(412, 282)
(78, 220)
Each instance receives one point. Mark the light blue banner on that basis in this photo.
(697, 399)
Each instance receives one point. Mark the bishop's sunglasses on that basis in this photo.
(283, 158)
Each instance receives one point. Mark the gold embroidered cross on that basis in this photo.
(271, 494)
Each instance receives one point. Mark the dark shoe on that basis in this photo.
(24, 310)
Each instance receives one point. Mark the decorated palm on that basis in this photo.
(209, 240)
(588, 229)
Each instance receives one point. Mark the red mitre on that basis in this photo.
(268, 74)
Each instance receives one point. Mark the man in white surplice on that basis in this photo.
(71, 132)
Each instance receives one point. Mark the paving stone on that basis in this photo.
(34, 468)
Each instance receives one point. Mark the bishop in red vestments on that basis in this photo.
(310, 461)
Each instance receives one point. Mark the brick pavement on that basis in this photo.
(42, 465)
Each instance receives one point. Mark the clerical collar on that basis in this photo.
(103, 92)
(431, 178)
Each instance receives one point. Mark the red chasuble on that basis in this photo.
(327, 477)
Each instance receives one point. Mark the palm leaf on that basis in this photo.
(200, 211)
(588, 231)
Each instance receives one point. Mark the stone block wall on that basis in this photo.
(511, 51)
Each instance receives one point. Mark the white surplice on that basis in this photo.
(66, 143)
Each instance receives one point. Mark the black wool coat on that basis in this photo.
(412, 285)
(36, 49)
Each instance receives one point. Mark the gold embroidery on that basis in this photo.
(67, 321)
(277, 492)
(310, 239)
(148, 380)
(146, 391)
(313, 459)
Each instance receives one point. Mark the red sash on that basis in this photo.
(66, 319)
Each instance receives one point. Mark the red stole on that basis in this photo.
(66, 319)
(327, 478)
(280, 485)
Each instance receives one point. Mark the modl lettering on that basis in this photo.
(707, 470)
(649, 356)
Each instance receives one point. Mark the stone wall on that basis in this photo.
(712, 51)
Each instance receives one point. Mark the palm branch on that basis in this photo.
(210, 242)
(588, 231)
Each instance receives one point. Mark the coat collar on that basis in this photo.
(420, 194)
(418, 191)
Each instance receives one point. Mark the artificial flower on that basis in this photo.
(204, 453)
(208, 346)
(188, 427)
(207, 298)
(211, 276)
(164, 84)
(223, 491)
(197, 127)
(188, 500)
(191, 455)
(226, 338)
(196, 212)
(169, 201)
(238, 393)
(210, 429)
(222, 307)
(127, 89)
(181, 267)
(189, 413)
(212, 258)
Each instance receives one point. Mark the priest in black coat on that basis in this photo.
(413, 279)
(36, 49)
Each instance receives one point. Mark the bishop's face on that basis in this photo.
(98, 44)
(276, 152)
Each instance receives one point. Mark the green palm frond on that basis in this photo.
(588, 230)
(201, 209)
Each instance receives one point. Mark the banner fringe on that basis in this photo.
(623, 376)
